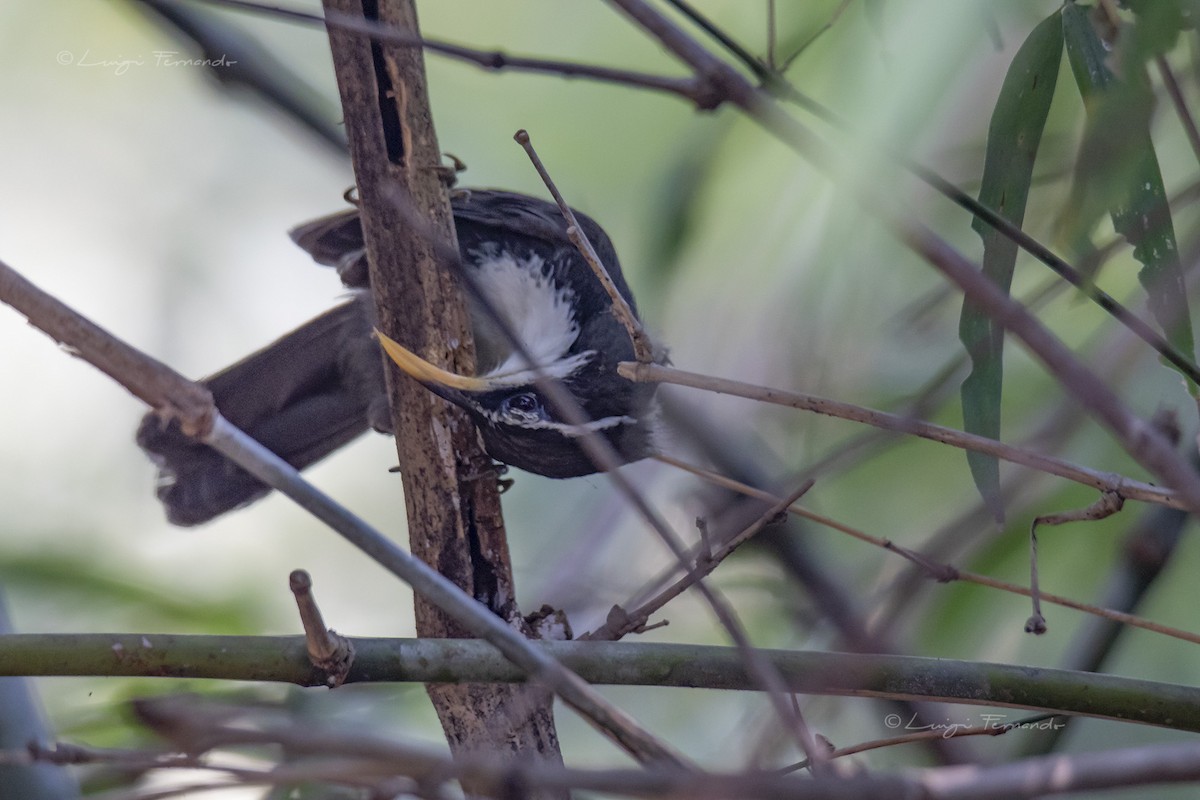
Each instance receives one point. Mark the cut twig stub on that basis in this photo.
(328, 651)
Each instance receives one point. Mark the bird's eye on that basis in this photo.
(525, 404)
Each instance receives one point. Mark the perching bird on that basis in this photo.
(322, 385)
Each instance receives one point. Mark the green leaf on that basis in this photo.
(1013, 137)
(1117, 169)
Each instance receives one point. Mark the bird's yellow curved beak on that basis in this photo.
(427, 373)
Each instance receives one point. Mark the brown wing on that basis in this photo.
(336, 240)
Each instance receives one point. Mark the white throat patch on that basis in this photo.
(539, 312)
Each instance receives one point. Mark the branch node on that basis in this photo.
(942, 573)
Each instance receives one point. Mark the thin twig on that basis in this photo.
(944, 573)
(643, 351)
(384, 760)
(728, 42)
(392, 768)
(706, 563)
(690, 89)
(1104, 481)
(821, 31)
(952, 731)
(1109, 503)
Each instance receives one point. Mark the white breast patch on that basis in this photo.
(537, 310)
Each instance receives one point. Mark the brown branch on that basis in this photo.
(1104, 481)
(455, 523)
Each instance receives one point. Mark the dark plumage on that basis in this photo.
(320, 386)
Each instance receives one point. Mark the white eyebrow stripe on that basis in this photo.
(596, 425)
(572, 431)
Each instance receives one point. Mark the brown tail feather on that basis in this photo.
(302, 396)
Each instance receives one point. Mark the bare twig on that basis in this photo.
(1106, 505)
(771, 34)
(1146, 551)
(944, 573)
(328, 651)
(951, 731)
(635, 621)
(690, 89)
(1104, 481)
(383, 766)
(391, 768)
(643, 351)
(821, 31)
(705, 24)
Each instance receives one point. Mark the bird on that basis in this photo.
(320, 386)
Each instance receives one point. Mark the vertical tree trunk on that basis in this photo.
(454, 517)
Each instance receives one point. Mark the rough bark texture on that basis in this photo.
(454, 517)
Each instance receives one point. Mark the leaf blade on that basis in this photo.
(1118, 171)
(1014, 133)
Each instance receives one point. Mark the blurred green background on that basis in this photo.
(157, 202)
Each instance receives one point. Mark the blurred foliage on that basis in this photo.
(156, 201)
